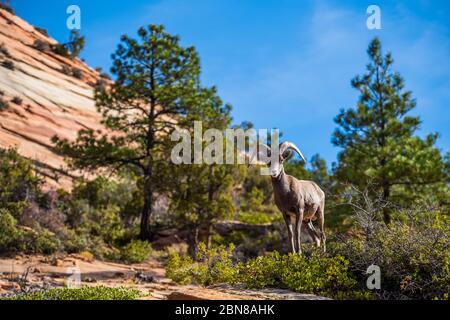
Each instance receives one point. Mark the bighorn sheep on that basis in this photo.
(300, 201)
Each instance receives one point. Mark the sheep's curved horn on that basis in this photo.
(289, 145)
(257, 151)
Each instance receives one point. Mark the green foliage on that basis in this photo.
(13, 238)
(412, 253)
(9, 234)
(75, 44)
(72, 48)
(60, 49)
(377, 137)
(261, 272)
(317, 274)
(211, 266)
(83, 293)
(136, 251)
(156, 80)
(102, 213)
(18, 182)
(258, 217)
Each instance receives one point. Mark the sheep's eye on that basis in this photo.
(286, 154)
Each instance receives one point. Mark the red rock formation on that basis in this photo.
(51, 101)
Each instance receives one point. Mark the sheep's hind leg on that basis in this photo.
(321, 222)
(313, 233)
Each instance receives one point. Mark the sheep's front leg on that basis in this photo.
(298, 229)
(288, 221)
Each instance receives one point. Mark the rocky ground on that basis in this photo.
(24, 273)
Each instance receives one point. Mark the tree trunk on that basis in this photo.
(146, 213)
(192, 240)
(386, 213)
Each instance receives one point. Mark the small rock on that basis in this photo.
(57, 262)
(90, 280)
(142, 277)
(36, 270)
(10, 286)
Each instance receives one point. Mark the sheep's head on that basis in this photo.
(274, 157)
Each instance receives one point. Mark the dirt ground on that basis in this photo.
(24, 273)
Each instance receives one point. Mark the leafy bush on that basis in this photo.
(317, 274)
(60, 49)
(262, 271)
(213, 265)
(41, 30)
(7, 7)
(413, 253)
(136, 251)
(75, 44)
(9, 234)
(77, 73)
(83, 293)
(17, 100)
(41, 45)
(14, 238)
(258, 217)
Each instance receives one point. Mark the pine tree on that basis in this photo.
(75, 44)
(201, 194)
(157, 85)
(378, 141)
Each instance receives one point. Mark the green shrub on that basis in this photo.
(412, 252)
(60, 49)
(317, 274)
(136, 251)
(257, 217)
(213, 265)
(10, 235)
(83, 293)
(261, 272)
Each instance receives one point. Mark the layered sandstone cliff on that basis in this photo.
(40, 96)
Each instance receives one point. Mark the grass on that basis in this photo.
(83, 293)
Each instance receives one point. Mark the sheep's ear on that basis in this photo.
(287, 154)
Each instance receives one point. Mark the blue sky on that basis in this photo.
(284, 64)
